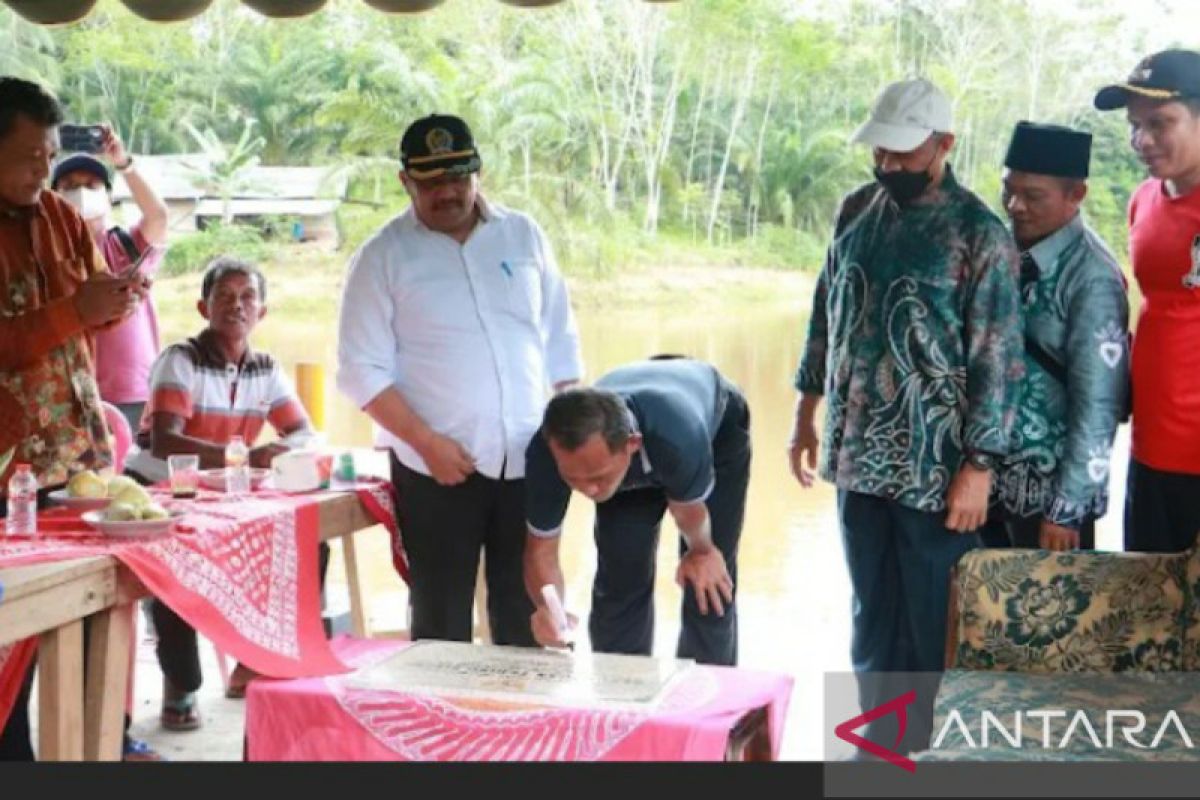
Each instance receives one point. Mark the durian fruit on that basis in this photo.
(134, 495)
(120, 512)
(153, 511)
(119, 483)
(86, 484)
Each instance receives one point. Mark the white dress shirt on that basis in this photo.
(473, 335)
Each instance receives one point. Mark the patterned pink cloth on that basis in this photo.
(378, 497)
(241, 569)
(326, 719)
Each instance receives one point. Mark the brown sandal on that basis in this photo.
(180, 714)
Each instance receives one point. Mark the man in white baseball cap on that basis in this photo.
(905, 115)
(915, 339)
(910, 132)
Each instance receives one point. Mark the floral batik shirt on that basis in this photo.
(915, 342)
(1076, 381)
(46, 362)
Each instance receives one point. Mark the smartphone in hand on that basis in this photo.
(81, 138)
(136, 266)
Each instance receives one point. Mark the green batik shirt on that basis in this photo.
(1073, 396)
(915, 342)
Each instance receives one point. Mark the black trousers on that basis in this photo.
(177, 647)
(626, 534)
(1003, 529)
(1162, 510)
(444, 528)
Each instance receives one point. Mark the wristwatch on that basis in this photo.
(981, 460)
(124, 167)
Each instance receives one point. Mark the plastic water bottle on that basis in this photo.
(237, 466)
(22, 503)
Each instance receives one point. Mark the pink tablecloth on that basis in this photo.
(241, 569)
(325, 719)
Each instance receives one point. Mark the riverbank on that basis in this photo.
(304, 281)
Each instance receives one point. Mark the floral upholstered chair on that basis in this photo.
(1033, 630)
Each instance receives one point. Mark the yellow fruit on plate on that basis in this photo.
(119, 484)
(86, 484)
(153, 511)
(134, 495)
(120, 512)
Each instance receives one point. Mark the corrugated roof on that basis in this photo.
(255, 207)
(173, 177)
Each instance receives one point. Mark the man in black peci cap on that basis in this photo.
(1161, 99)
(455, 326)
(1053, 484)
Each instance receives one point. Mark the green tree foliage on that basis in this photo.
(720, 123)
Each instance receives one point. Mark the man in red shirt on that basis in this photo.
(1162, 102)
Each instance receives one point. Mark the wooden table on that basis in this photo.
(55, 600)
(342, 516)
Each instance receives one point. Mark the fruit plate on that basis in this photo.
(214, 479)
(62, 498)
(131, 529)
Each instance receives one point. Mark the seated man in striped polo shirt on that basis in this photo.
(203, 392)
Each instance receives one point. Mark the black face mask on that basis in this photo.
(904, 186)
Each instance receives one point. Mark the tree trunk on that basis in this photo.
(756, 191)
(738, 112)
(689, 176)
(660, 144)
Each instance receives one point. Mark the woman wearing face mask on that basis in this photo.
(124, 353)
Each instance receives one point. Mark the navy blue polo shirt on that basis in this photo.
(676, 406)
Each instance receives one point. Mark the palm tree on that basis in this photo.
(226, 169)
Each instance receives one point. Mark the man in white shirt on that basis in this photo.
(455, 324)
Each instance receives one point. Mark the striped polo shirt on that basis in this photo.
(216, 398)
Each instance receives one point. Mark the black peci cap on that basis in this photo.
(1049, 150)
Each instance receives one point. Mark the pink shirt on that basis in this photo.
(124, 354)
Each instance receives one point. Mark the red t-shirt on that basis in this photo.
(1164, 244)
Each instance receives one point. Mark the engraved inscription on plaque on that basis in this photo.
(524, 675)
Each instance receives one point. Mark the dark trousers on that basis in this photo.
(1004, 529)
(443, 529)
(177, 647)
(899, 561)
(16, 743)
(1162, 510)
(626, 534)
(132, 412)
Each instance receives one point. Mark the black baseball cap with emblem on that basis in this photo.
(438, 145)
(1169, 75)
